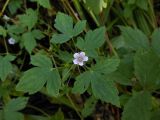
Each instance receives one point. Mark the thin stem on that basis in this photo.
(71, 10)
(67, 72)
(152, 13)
(39, 110)
(76, 109)
(6, 47)
(4, 7)
(79, 9)
(110, 46)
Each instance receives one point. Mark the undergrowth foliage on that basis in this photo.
(67, 59)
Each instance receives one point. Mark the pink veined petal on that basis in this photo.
(75, 61)
(85, 58)
(80, 63)
(76, 55)
(82, 54)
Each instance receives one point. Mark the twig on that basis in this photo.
(4, 7)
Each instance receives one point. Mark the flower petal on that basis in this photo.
(85, 58)
(11, 41)
(80, 63)
(75, 61)
(82, 54)
(76, 55)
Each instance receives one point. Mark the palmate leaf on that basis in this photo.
(5, 66)
(43, 3)
(59, 115)
(14, 5)
(12, 107)
(41, 61)
(64, 24)
(29, 19)
(105, 89)
(124, 72)
(93, 39)
(16, 104)
(138, 107)
(89, 106)
(156, 41)
(35, 78)
(147, 69)
(82, 82)
(134, 38)
(29, 39)
(12, 115)
(102, 88)
(106, 66)
(142, 4)
(96, 5)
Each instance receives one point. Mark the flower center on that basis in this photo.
(80, 59)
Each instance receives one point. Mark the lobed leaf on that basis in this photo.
(138, 107)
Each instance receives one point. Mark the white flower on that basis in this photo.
(79, 58)
(11, 41)
(5, 17)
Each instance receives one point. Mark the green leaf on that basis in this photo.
(89, 106)
(16, 104)
(96, 5)
(14, 5)
(82, 82)
(79, 27)
(11, 115)
(106, 66)
(124, 72)
(64, 23)
(38, 34)
(33, 80)
(93, 39)
(58, 115)
(5, 66)
(134, 38)
(15, 29)
(147, 69)
(142, 4)
(41, 61)
(156, 41)
(3, 32)
(128, 11)
(131, 1)
(29, 41)
(29, 19)
(138, 107)
(118, 42)
(65, 56)
(53, 83)
(60, 38)
(43, 3)
(104, 89)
